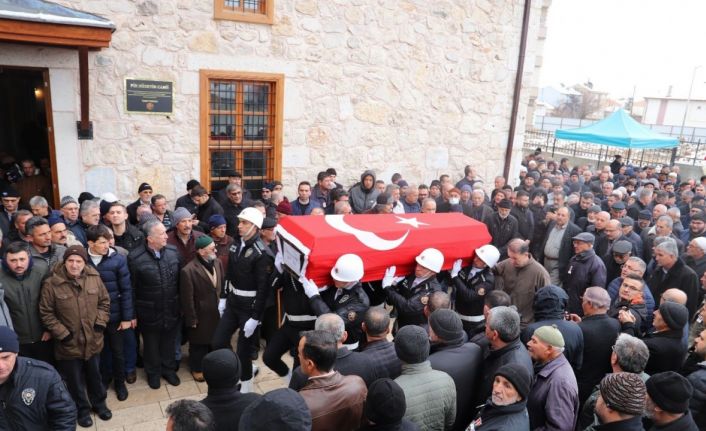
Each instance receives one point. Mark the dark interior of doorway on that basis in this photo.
(23, 117)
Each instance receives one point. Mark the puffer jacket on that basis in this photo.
(155, 282)
(430, 396)
(75, 311)
(360, 198)
(35, 398)
(116, 277)
(22, 298)
(549, 306)
(697, 403)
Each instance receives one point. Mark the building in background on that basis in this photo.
(274, 89)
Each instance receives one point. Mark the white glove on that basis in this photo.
(310, 288)
(456, 268)
(221, 306)
(278, 261)
(250, 327)
(389, 278)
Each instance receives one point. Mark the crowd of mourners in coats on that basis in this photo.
(585, 311)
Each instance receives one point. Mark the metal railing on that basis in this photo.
(687, 153)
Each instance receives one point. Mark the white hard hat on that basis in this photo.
(253, 215)
(349, 267)
(431, 259)
(488, 254)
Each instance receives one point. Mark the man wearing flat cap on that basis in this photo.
(621, 402)
(553, 402)
(503, 227)
(32, 394)
(75, 307)
(667, 403)
(585, 269)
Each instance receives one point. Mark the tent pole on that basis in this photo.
(600, 153)
(627, 162)
(642, 157)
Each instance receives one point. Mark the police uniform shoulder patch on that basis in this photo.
(248, 253)
(28, 395)
(233, 248)
(424, 299)
(343, 298)
(351, 315)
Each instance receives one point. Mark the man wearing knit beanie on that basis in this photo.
(506, 408)
(221, 369)
(621, 401)
(430, 394)
(77, 328)
(554, 397)
(34, 396)
(667, 403)
(454, 356)
(217, 226)
(385, 406)
(667, 351)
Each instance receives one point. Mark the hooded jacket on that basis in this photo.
(22, 298)
(549, 306)
(360, 198)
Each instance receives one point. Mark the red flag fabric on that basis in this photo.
(314, 243)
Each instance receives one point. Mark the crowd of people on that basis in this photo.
(585, 311)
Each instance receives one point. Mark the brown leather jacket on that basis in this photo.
(75, 308)
(335, 401)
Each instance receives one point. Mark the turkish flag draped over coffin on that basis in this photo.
(314, 243)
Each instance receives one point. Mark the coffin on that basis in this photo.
(312, 244)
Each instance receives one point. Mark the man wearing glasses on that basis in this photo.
(232, 206)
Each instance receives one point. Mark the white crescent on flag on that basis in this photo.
(369, 239)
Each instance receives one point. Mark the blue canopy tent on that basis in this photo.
(619, 130)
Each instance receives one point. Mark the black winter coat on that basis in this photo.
(599, 334)
(566, 250)
(250, 266)
(130, 239)
(503, 418)
(410, 301)
(667, 351)
(514, 353)
(697, 404)
(549, 305)
(205, 211)
(384, 359)
(115, 275)
(468, 296)
(227, 406)
(461, 361)
(586, 269)
(35, 398)
(351, 306)
(680, 277)
(348, 363)
(155, 281)
(502, 231)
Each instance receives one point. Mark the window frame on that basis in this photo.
(221, 12)
(277, 83)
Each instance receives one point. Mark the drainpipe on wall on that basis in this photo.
(518, 88)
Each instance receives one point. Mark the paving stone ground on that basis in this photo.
(144, 409)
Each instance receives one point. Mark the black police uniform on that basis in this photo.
(247, 289)
(298, 317)
(351, 304)
(35, 398)
(410, 301)
(469, 297)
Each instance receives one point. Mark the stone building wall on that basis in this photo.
(409, 86)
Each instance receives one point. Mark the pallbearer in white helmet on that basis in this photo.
(348, 299)
(247, 286)
(471, 285)
(410, 294)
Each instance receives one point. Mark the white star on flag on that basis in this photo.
(411, 221)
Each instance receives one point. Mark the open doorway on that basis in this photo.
(26, 133)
